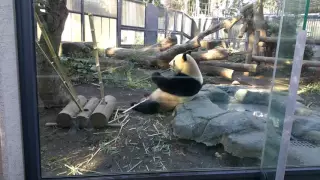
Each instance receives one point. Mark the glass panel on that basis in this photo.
(133, 14)
(179, 22)
(305, 136)
(72, 30)
(187, 24)
(219, 127)
(161, 19)
(132, 37)
(290, 25)
(97, 26)
(74, 5)
(101, 7)
(170, 21)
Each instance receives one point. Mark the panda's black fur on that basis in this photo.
(174, 88)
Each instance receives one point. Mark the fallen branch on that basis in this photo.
(284, 61)
(162, 58)
(235, 66)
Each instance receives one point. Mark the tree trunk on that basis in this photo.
(50, 87)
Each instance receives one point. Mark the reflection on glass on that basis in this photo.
(133, 14)
(101, 7)
(221, 128)
(290, 24)
(132, 37)
(179, 21)
(187, 25)
(305, 139)
(170, 21)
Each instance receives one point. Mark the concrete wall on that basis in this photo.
(11, 150)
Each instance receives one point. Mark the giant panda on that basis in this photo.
(182, 87)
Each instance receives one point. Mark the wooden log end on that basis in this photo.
(83, 117)
(103, 112)
(66, 116)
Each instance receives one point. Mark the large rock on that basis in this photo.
(213, 93)
(241, 127)
(244, 145)
(279, 103)
(307, 128)
(192, 117)
(252, 96)
(205, 122)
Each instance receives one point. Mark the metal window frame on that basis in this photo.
(29, 110)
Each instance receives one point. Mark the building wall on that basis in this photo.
(11, 149)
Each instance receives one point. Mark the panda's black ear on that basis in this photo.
(184, 56)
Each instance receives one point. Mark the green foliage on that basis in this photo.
(311, 88)
(83, 71)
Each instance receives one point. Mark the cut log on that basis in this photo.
(214, 54)
(275, 40)
(66, 116)
(232, 75)
(103, 111)
(84, 116)
(284, 61)
(235, 66)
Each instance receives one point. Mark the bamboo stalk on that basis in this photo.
(56, 62)
(95, 48)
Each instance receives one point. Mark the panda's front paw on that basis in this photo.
(132, 104)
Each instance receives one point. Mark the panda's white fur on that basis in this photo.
(187, 67)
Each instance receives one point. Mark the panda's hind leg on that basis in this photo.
(147, 107)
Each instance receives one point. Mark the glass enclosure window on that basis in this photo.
(187, 24)
(179, 21)
(132, 37)
(97, 27)
(87, 122)
(74, 5)
(305, 133)
(300, 147)
(101, 7)
(170, 21)
(72, 30)
(161, 19)
(133, 14)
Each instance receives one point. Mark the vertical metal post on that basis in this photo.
(145, 25)
(119, 14)
(165, 23)
(291, 103)
(175, 21)
(83, 33)
(182, 31)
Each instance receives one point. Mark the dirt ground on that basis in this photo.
(145, 143)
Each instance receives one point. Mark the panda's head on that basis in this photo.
(184, 63)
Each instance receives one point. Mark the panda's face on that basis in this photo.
(177, 63)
